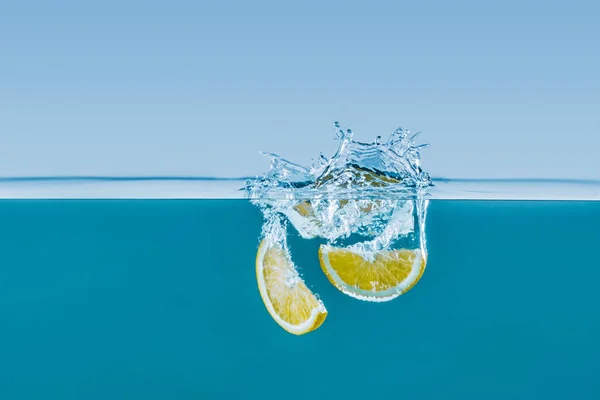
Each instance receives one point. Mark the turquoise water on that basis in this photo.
(120, 299)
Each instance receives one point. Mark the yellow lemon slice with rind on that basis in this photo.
(381, 276)
(287, 298)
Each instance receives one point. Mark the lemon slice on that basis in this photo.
(383, 277)
(287, 298)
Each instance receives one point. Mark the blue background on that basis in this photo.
(500, 89)
(158, 299)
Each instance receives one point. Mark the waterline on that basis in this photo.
(199, 187)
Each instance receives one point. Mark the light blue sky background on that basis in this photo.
(499, 89)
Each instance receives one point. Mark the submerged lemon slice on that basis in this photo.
(382, 277)
(287, 298)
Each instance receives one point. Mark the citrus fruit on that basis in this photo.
(377, 276)
(287, 298)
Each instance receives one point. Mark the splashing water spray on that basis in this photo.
(368, 201)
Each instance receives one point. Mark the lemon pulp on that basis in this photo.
(382, 276)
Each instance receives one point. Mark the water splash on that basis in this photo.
(356, 168)
(370, 196)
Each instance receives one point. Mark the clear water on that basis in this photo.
(155, 298)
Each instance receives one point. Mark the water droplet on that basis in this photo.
(338, 130)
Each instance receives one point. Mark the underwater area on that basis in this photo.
(158, 298)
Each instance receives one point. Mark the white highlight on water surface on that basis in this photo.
(199, 188)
